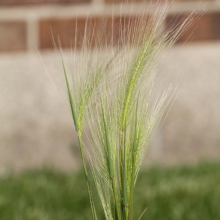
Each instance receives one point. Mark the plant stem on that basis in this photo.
(125, 194)
(121, 171)
(87, 179)
(115, 195)
(134, 149)
(110, 161)
(131, 199)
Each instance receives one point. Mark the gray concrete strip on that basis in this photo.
(36, 129)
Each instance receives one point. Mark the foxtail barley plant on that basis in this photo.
(114, 104)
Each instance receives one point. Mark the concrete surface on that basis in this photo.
(36, 130)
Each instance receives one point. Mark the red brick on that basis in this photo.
(119, 1)
(129, 1)
(215, 25)
(97, 28)
(33, 2)
(62, 28)
(192, 0)
(206, 28)
(13, 35)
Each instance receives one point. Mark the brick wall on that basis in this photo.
(13, 35)
(27, 24)
(37, 2)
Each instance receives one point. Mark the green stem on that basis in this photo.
(125, 193)
(110, 162)
(131, 198)
(87, 179)
(115, 195)
(121, 172)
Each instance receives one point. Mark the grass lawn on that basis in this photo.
(174, 193)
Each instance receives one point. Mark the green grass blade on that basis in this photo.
(80, 142)
(70, 98)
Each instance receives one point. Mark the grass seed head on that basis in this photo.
(113, 96)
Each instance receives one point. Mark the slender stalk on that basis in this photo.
(134, 149)
(121, 171)
(125, 194)
(87, 179)
(115, 196)
(131, 199)
(110, 163)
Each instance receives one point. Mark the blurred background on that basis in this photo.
(36, 131)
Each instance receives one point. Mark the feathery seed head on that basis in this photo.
(114, 95)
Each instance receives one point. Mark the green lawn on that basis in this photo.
(175, 193)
